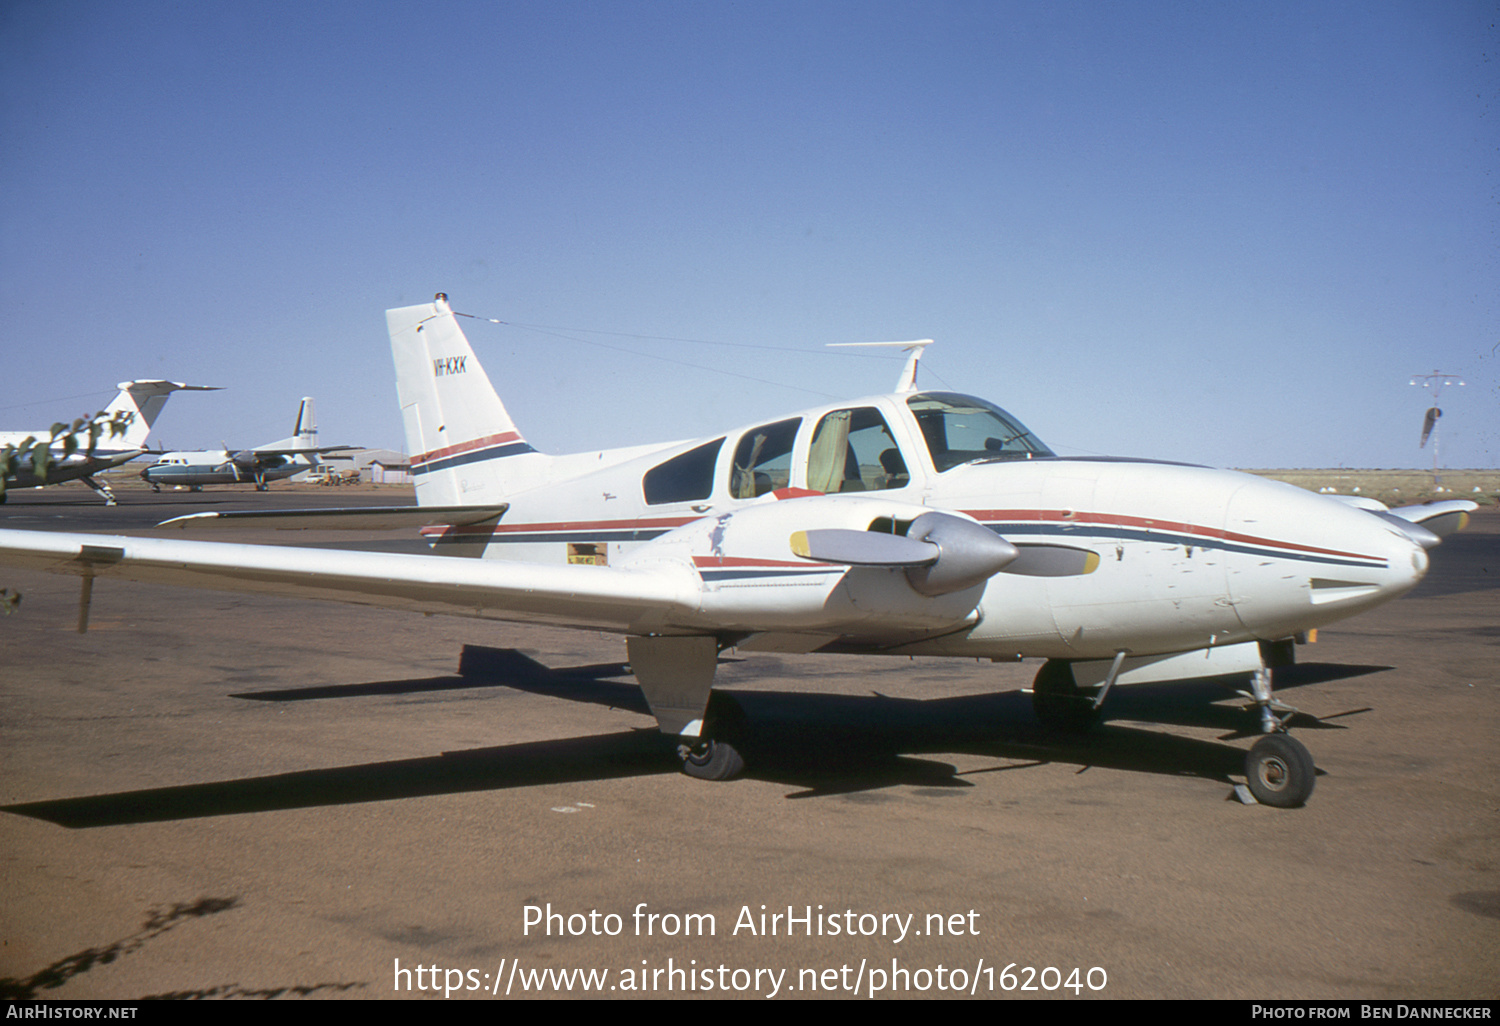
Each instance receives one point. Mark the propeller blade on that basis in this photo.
(941, 553)
(1053, 561)
(862, 548)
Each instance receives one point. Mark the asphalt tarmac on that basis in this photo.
(217, 795)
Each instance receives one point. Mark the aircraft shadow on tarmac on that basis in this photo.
(821, 744)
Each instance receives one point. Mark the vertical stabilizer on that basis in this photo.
(144, 400)
(465, 450)
(306, 431)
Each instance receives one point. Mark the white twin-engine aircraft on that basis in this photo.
(916, 523)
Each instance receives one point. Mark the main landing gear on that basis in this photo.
(101, 489)
(1279, 769)
(676, 674)
(1059, 702)
(716, 754)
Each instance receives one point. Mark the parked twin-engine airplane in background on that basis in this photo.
(263, 464)
(914, 523)
(140, 403)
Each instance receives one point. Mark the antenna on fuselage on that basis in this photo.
(908, 380)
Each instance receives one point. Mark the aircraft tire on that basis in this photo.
(1279, 771)
(716, 755)
(1058, 702)
(709, 759)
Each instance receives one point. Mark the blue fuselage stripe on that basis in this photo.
(1082, 534)
(479, 456)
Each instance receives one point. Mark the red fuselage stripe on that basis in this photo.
(1072, 518)
(460, 449)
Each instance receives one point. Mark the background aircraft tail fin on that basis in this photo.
(304, 433)
(145, 400)
(465, 449)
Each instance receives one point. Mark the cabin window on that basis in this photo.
(763, 459)
(853, 451)
(683, 478)
(961, 429)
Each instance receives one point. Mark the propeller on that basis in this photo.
(940, 552)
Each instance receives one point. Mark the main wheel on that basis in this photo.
(708, 759)
(1279, 771)
(1058, 701)
(714, 756)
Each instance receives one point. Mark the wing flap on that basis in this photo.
(600, 597)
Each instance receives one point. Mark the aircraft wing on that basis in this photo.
(1441, 518)
(600, 597)
(361, 518)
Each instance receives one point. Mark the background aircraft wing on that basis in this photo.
(294, 451)
(600, 597)
(359, 518)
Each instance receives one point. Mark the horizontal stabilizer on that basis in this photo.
(366, 518)
(142, 401)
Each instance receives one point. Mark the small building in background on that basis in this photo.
(367, 466)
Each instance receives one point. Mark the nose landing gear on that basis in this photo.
(1279, 769)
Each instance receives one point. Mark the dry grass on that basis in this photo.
(1396, 487)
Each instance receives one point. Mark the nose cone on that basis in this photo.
(1322, 560)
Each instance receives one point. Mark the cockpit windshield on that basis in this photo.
(962, 429)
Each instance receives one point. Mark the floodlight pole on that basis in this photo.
(1435, 381)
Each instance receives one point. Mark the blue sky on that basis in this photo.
(1225, 233)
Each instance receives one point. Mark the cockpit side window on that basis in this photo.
(763, 459)
(853, 451)
(683, 478)
(961, 429)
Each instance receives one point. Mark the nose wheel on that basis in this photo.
(1279, 771)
